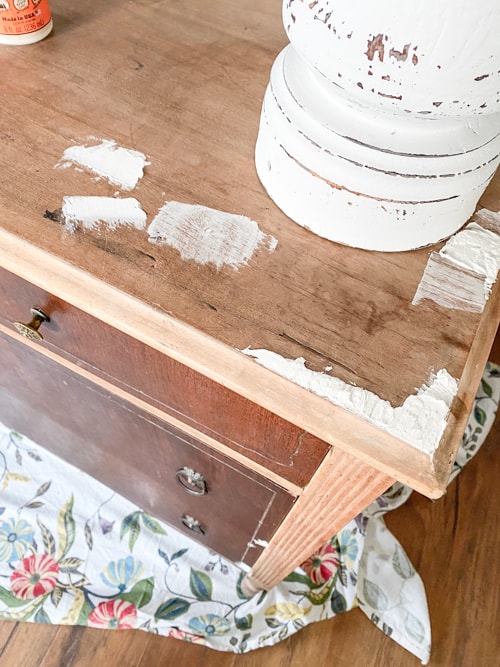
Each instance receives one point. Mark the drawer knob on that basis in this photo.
(30, 330)
(193, 524)
(191, 481)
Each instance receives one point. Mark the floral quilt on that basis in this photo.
(73, 552)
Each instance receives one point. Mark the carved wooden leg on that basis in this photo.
(341, 488)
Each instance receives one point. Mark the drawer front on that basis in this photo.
(176, 389)
(146, 460)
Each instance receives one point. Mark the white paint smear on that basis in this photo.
(450, 286)
(91, 212)
(462, 274)
(420, 421)
(476, 249)
(120, 166)
(208, 236)
(256, 542)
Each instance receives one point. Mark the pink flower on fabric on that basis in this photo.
(175, 633)
(113, 615)
(322, 565)
(34, 576)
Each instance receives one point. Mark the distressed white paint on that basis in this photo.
(420, 421)
(462, 274)
(440, 59)
(208, 236)
(364, 178)
(120, 166)
(92, 212)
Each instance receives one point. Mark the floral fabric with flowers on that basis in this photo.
(73, 552)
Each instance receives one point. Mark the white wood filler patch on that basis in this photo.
(462, 273)
(420, 421)
(120, 166)
(91, 212)
(256, 542)
(208, 236)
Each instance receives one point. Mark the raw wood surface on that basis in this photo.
(288, 400)
(183, 81)
(452, 542)
(341, 488)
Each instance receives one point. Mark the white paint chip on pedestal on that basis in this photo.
(91, 212)
(208, 236)
(120, 166)
(419, 421)
(462, 273)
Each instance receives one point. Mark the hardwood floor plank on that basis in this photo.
(167, 652)
(82, 647)
(26, 644)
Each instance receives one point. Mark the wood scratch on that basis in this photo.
(329, 359)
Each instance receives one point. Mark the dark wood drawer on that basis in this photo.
(136, 454)
(176, 389)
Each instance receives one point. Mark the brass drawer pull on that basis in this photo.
(193, 524)
(30, 330)
(191, 481)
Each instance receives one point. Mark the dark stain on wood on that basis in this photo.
(167, 384)
(55, 215)
(103, 441)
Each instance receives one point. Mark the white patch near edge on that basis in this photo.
(420, 420)
(208, 236)
(120, 166)
(257, 542)
(462, 273)
(90, 212)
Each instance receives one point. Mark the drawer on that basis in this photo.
(169, 385)
(141, 457)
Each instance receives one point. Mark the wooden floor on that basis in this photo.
(453, 542)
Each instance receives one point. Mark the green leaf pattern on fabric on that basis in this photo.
(414, 627)
(200, 585)
(402, 564)
(375, 596)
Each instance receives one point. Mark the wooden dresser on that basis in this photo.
(140, 379)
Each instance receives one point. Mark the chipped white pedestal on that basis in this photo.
(356, 144)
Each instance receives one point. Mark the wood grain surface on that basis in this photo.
(173, 388)
(183, 81)
(339, 491)
(453, 543)
(136, 454)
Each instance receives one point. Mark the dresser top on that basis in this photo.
(182, 82)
